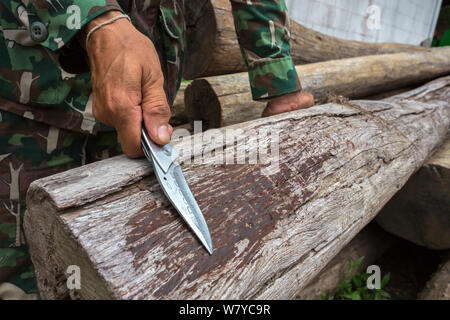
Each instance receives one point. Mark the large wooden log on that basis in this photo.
(419, 212)
(272, 230)
(213, 48)
(226, 100)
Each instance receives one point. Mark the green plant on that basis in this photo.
(355, 288)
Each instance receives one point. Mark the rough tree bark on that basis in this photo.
(272, 230)
(419, 212)
(226, 100)
(215, 49)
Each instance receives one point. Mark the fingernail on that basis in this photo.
(163, 133)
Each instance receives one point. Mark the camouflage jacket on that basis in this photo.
(43, 70)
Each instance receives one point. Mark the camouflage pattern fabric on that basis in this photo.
(30, 150)
(263, 31)
(51, 80)
(39, 75)
(46, 120)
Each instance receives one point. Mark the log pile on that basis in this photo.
(225, 100)
(276, 226)
(273, 230)
(213, 47)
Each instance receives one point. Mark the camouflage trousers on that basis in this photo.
(30, 150)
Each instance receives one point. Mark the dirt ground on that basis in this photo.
(411, 266)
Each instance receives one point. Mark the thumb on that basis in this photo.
(156, 114)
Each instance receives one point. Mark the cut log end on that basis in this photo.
(201, 30)
(213, 47)
(202, 104)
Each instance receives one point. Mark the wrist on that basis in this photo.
(82, 35)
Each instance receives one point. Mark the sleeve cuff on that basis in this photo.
(273, 78)
(60, 34)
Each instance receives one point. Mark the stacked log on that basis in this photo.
(226, 100)
(272, 230)
(212, 46)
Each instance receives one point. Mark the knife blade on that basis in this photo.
(174, 185)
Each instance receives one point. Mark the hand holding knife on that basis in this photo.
(172, 181)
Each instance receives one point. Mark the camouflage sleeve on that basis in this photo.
(64, 18)
(263, 31)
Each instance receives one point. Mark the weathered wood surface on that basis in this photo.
(212, 46)
(225, 100)
(372, 242)
(420, 212)
(339, 165)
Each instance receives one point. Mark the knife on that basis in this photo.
(174, 185)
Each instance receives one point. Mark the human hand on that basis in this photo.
(288, 102)
(127, 83)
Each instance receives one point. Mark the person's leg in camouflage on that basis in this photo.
(30, 150)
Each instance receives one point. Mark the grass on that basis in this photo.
(355, 288)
